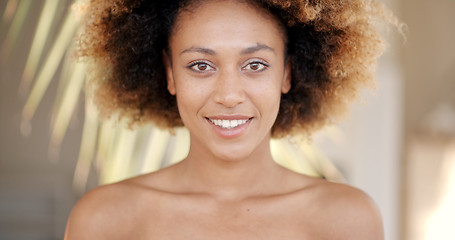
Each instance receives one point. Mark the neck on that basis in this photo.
(231, 179)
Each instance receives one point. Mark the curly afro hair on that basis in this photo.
(332, 45)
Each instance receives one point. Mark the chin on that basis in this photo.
(229, 157)
(235, 153)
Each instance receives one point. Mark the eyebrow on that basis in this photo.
(257, 48)
(199, 50)
(245, 51)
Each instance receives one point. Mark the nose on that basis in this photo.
(229, 89)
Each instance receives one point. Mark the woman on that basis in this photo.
(235, 73)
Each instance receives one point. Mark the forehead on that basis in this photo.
(229, 20)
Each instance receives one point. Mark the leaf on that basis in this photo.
(87, 149)
(50, 66)
(41, 35)
(20, 15)
(68, 103)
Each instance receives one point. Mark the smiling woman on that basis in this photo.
(235, 73)
(220, 65)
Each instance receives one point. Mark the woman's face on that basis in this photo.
(227, 69)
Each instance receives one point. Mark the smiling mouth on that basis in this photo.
(228, 124)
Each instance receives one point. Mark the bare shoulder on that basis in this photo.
(106, 212)
(96, 212)
(343, 212)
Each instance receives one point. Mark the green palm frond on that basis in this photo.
(43, 28)
(113, 151)
(51, 64)
(18, 12)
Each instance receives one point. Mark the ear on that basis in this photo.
(169, 74)
(286, 85)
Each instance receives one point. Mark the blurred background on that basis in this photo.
(398, 144)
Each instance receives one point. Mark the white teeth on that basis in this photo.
(228, 124)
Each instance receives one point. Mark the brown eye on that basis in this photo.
(256, 67)
(200, 67)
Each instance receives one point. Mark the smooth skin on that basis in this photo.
(227, 62)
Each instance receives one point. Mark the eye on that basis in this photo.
(200, 66)
(255, 66)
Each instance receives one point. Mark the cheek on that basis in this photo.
(190, 98)
(267, 97)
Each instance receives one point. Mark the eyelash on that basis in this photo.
(264, 66)
(198, 63)
(192, 66)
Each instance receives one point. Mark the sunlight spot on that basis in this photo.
(440, 223)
